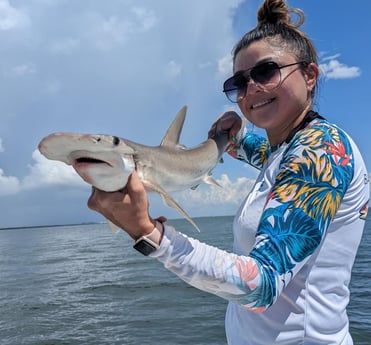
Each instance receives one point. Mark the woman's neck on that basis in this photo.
(276, 139)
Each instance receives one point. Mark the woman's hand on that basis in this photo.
(127, 208)
(229, 121)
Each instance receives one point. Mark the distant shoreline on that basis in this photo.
(88, 223)
(46, 226)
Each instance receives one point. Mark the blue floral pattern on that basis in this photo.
(313, 176)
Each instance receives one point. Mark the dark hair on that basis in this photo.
(275, 25)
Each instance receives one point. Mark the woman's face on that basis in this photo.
(281, 109)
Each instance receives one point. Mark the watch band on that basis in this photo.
(149, 243)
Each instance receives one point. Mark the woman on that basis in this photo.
(297, 232)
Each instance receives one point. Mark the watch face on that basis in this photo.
(144, 247)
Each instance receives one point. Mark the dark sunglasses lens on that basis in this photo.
(232, 95)
(234, 87)
(266, 73)
(234, 83)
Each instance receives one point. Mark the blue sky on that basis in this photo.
(125, 68)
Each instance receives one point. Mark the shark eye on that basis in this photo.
(116, 141)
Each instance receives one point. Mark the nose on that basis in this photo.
(252, 87)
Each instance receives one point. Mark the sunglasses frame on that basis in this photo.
(246, 75)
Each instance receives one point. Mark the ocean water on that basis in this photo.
(82, 284)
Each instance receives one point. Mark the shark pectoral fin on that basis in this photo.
(210, 180)
(114, 228)
(169, 201)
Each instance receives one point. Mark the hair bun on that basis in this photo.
(277, 12)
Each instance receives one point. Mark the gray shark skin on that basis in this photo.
(106, 161)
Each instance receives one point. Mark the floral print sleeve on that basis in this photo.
(313, 178)
(252, 149)
(310, 181)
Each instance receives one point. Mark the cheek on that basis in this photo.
(245, 110)
(295, 91)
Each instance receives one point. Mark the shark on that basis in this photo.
(106, 161)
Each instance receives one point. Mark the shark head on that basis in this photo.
(103, 161)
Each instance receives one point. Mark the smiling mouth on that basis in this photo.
(261, 104)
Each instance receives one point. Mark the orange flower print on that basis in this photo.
(255, 310)
(248, 271)
(363, 211)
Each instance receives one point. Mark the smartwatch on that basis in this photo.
(150, 243)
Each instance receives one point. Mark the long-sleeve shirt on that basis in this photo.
(295, 240)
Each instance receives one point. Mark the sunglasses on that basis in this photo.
(267, 76)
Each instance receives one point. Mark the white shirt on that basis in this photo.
(295, 240)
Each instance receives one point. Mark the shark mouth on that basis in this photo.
(89, 160)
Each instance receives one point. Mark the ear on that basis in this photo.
(311, 75)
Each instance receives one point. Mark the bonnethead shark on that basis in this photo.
(106, 161)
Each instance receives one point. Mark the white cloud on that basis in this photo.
(8, 184)
(52, 87)
(65, 46)
(46, 172)
(173, 69)
(327, 58)
(11, 17)
(107, 32)
(225, 65)
(230, 192)
(333, 69)
(23, 69)
(206, 64)
(146, 19)
(42, 172)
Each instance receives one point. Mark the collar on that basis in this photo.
(309, 117)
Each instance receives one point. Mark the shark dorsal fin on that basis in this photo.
(172, 135)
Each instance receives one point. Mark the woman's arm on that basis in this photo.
(310, 186)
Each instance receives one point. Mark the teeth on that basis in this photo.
(257, 105)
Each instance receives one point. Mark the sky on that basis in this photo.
(125, 67)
